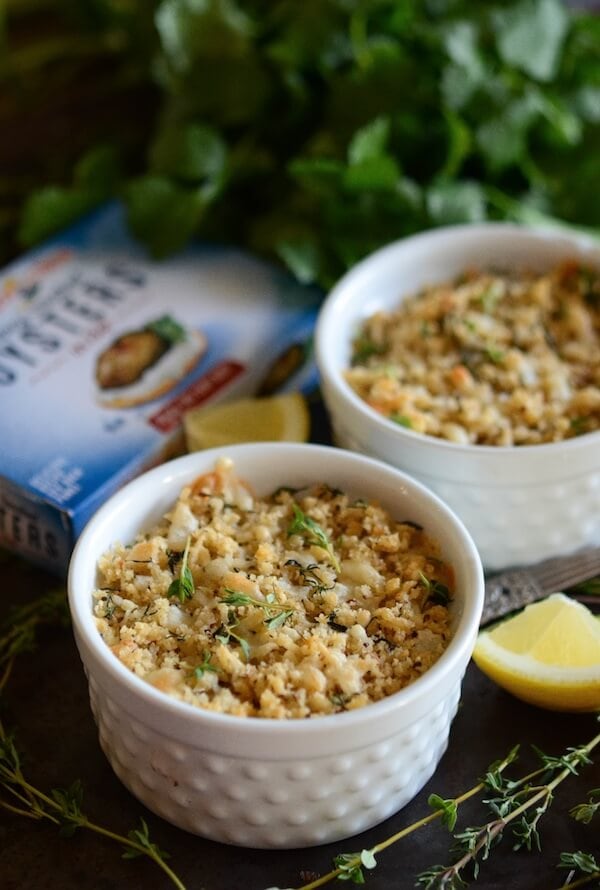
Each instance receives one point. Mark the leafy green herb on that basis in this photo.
(19, 631)
(447, 808)
(310, 576)
(437, 592)
(585, 812)
(227, 632)
(579, 425)
(63, 808)
(351, 865)
(583, 863)
(402, 420)
(205, 666)
(306, 526)
(490, 296)
(364, 348)
(494, 354)
(60, 807)
(276, 613)
(183, 587)
(507, 96)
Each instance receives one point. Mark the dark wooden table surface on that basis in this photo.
(45, 703)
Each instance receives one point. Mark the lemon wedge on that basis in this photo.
(548, 655)
(283, 418)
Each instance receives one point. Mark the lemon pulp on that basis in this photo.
(548, 655)
(282, 418)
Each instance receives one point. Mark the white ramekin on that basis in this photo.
(270, 783)
(520, 504)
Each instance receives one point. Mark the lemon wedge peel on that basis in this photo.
(548, 655)
(281, 418)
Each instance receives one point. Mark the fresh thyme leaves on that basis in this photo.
(401, 420)
(307, 527)
(585, 812)
(110, 606)
(494, 354)
(18, 632)
(276, 613)
(447, 808)
(206, 665)
(351, 865)
(310, 575)
(490, 297)
(521, 802)
(63, 808)
(437, 592)
(364, 348)
(141, 845)
(579, 863)
(183, 587)
(226, 632)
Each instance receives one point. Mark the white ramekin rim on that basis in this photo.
(327, 331)
(95, 652)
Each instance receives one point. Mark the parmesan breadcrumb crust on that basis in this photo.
(490, 359)
(280, 621)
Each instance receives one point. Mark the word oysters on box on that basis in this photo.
(102, 351)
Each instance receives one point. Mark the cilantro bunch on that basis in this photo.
(316, 130)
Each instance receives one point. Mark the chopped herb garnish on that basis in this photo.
(437, 592)
(364, 348)
(206, 666)
(276, 613)
(226, 633)
(490, 296)
(183, 587)
(310, 575)
(494, 354)
(401, 420)
(312, 531)
(579, 424)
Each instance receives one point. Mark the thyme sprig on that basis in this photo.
(19, 630)
(206, 666)
(62, 806)
(580, 863)
(276, 613)
(445, 810)
(306, 526)
(519, 803)
(585, 812)
(183, 587)
(227, 632)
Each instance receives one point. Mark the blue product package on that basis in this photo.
(103, 350)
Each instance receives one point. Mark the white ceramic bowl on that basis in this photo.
(270, 783)
(520, 504)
